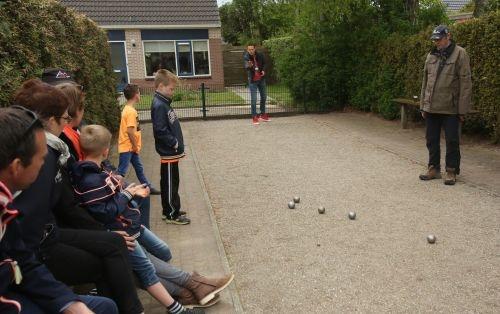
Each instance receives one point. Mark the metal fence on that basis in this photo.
(217, 101)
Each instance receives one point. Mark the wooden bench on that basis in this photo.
(407, 104)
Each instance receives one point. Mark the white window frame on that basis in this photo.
(176, 61)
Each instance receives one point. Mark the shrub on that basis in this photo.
(38, 34)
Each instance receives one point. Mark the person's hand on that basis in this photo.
(249, 64)
(77, 308)
(129, 241)
(143, 191)
(461, 117)
(119, 178)
(132, 188)
(263, 73)
(424, 114)
(135, 149)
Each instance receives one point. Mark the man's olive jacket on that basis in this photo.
(447, 85)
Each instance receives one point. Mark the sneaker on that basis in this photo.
(154, 191)
(181, 213)
(264, 117)
(193, 311)
(181, 220)
(451, 176)
(255, 120)
(432, 173)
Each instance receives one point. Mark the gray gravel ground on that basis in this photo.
(291, 261)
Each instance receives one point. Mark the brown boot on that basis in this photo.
(187, 299)
(451, 177)
(204, 289)
(432, 173)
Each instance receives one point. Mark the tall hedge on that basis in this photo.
(364, 59)
(38, 34)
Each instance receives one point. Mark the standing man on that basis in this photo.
(254, 64)
(444, 101)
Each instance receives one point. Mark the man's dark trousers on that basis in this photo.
(451, 124)
(169, 182)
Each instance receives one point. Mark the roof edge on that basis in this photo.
(162, 26)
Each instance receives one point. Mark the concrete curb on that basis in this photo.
(222, 252)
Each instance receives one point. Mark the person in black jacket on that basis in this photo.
(254, 64)
(169, 144)
(26, 285)
(73, 256)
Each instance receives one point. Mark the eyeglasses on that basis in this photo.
(68, 118)
(34, 123)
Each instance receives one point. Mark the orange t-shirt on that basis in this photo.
(130, 118)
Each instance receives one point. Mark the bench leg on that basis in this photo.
(404, 116)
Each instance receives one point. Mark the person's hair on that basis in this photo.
(42, 98)
(165, 77)
(17, 136)
(75, 97)
(252, 44)
(130, 91)
(94, 139)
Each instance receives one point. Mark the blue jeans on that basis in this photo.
(140, 262)
(98, 305)
(261, 86)
(171, 277)
(135, 159)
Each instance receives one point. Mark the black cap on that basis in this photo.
(440, 32)
(55, 76)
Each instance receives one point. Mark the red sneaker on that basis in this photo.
(264, 117)
(255, 120)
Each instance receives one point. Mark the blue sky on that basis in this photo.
(221, 2)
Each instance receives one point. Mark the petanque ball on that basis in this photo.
(291, 205)
(321, 210)
(296, 199)
(352, 215)
(431, 238)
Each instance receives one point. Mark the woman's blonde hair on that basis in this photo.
(75, 96)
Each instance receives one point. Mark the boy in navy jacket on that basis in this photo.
(169, 144)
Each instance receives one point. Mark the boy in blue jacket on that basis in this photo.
(110, 201)
(169, 144)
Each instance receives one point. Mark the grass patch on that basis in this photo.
(192, 99)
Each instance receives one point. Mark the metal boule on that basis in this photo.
(291, 204)
(352, 215)
(296, 199)
(321, 210)
(431, 238)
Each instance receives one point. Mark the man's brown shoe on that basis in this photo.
(204, 289)
(432, 173)
(451, 177)
(187, 299)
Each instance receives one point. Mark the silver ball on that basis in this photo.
(321, 210)
(296, 199)
(431, 238)
(291, 204)
(352, 215)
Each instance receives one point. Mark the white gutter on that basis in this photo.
(188, 26)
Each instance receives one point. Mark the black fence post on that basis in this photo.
(203, 101)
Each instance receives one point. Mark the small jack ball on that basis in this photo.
(431, 238)
(321, 210)
(352, 215)
(296, 199)
(291, 205)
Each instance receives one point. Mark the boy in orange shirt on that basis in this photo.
(129, 138)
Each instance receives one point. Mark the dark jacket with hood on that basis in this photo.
(104, 197)
(166, 128)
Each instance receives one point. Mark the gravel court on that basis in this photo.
(289, 261)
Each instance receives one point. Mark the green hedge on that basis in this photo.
(37, 34)
(361, 62)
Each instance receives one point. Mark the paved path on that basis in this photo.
(196, 246)
(297, 261)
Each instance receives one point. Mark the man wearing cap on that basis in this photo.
(445, 99)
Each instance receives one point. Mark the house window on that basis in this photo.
(200, 56)
(159, 55)
(183, 57)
